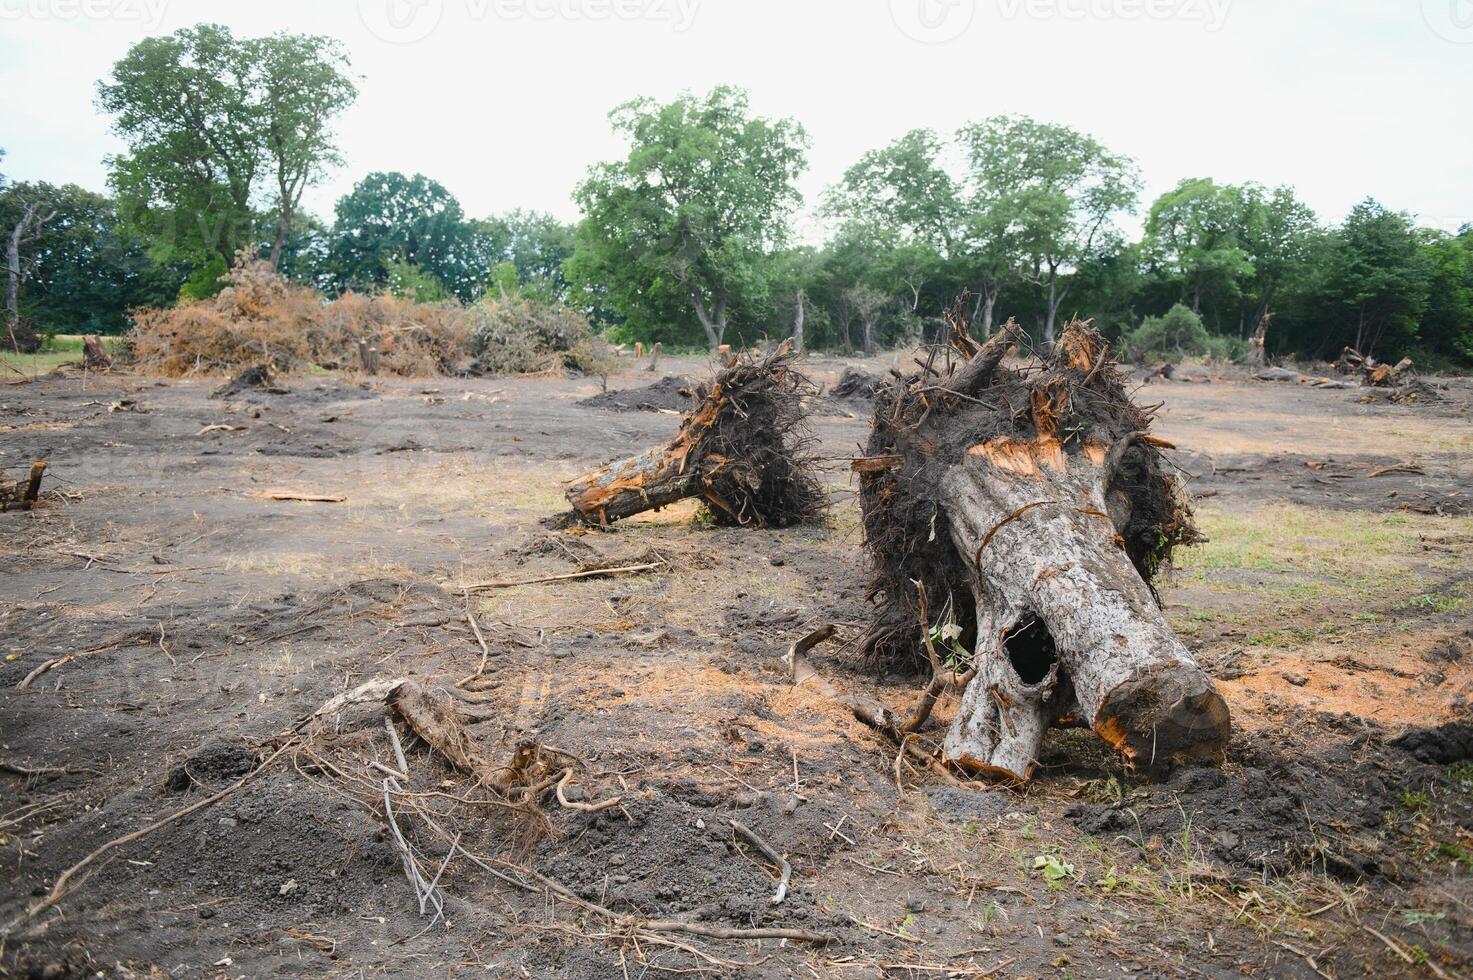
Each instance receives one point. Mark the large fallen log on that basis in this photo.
(742, 449)
(1034, 508)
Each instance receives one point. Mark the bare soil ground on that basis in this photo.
(207, 619)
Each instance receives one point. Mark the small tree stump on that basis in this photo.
(95, 356)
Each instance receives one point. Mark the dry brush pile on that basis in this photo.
(261, 318)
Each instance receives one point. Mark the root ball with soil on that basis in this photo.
(744, 449)
(1033, 508)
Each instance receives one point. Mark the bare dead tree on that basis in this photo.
(27, 231)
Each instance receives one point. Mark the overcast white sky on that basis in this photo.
(504, 101)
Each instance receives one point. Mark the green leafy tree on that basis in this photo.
(930, 229)
(408, 281)
(217, 128)
(1279, 234)
(536, 245)
(25, 217)
(82, 272)
(1197, 231)
(1378, 278)
(304, 86)
(903, 189)
(1446, 328)
(388, 218)
(684, 223)
(1062, 190)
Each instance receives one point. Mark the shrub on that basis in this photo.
(520, 336)
(1171, 337)
(1222, 348)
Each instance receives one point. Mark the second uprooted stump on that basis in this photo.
(743, 450)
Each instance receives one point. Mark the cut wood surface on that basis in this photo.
(23, 494)
(95, 356)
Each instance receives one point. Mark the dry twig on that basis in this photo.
(590, 573)
(772, 855)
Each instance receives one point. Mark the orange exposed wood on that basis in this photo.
(1049, 406)
(1111, 731)
(1081, 348)
(1022, 457)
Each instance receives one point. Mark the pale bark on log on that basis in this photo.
(649, 481)
(1066, 627)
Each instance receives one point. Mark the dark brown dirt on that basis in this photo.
(220, 618)
(666, 395)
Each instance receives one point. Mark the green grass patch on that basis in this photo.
(58, 350)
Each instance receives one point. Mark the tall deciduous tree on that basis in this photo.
(1062, 189)
(1379, 276)
(304, 86)
(928, 224)
(535, 244)
(25, 216)
(1446, 328)
(1197, 230)
(1279, 235)
(220, 128)
(693, 211)
(389, 218)
(82, 273)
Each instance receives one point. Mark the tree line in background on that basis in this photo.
(688, 239)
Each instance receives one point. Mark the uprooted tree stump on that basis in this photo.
(743, 449)
(1033, 508)
(94, 355)
(1372, 373)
